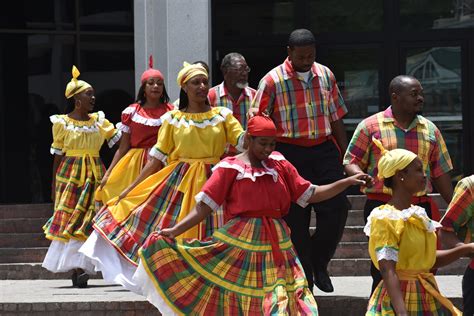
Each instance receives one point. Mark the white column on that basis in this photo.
(172, 31)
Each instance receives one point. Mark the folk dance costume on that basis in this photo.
(143, 125)
(249, 266)
(189, 144)
(407, 237)
(77, 178)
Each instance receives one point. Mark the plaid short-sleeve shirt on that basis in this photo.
(301, 108)
(459, 216)
(219, 96)
(422, 137)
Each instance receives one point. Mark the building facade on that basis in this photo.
(366, 43)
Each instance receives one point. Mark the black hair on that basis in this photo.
(70, 104)
(228, 59)
(141, 99)
(301, 37)
(399, 83)
(388, 182)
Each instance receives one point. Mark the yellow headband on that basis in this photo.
(75, 86)
(392, 160)
(189, 71)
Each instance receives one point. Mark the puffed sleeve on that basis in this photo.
(59, 133)
(301, 190)
(107, 129)
(233, 129)
(164, 143)
(217, 187)
(126, 119)
(384, 236)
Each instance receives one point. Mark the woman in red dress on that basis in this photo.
(249, 266)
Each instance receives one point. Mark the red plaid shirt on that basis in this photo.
(459, 217)
(302, 110)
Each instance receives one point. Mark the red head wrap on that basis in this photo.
(151, 73)
(260, 125)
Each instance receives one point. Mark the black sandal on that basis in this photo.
(82, 280)
(74, 278)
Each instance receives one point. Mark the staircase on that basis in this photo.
(23, 246)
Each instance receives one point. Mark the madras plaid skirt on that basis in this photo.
(231, 273)
(74, 201)
(160, 209)
(417, 300)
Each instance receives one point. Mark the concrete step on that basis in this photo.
(57, 297)
(32, 271)
(22, 225)
(26, 211)
(361, 267)
(349, 250)
(16, 255)
(20, 240)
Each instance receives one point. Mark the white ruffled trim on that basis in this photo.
(137, 118)
(387, 253)
(203, 197)
(142, 279)
(218, 118)
(84, 129)
(55, 151)
(245, 174)
(414, 210)
(115, 138)
(155, 153)
(122, 127)
(277, 157)
(303, 199)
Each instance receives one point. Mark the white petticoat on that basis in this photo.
(142, 280)
(114, 268)
(65, 256)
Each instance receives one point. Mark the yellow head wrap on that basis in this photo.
(75, 86)
(189, 71)
(392, 160)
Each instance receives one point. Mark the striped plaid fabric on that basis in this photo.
(74, 204)
(459, 216)
(233, 273)
(418, 301)
(218, 96)
(160, 210)
(300, 108)
(422, 137)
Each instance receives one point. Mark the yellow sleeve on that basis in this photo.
(59, 133)
(384, 239)
(108, 130)
(233, 129)
(164, 143)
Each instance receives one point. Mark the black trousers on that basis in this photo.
(320, 165)
(468, 291)
(369, 206)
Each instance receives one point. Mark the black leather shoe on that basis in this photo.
(82, 280)
(323, 282)
(74, 279)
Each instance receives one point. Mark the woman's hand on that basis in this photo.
(122, 195)
(358, 179)
(167, 232)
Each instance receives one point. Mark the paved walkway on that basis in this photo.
(33, 291)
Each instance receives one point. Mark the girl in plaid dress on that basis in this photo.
(249, 266)
(190, 141)
(77, 168)
(139, 126)
(402, 243)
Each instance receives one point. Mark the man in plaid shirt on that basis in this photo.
(400, 126)
(302, 98)
(234, 92)
(458, 228)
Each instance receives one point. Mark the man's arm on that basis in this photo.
(444, 186)
(339, 132)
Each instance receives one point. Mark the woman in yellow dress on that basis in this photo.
(77, 171)
(402, 244)
(139, 126)
(190, 141)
